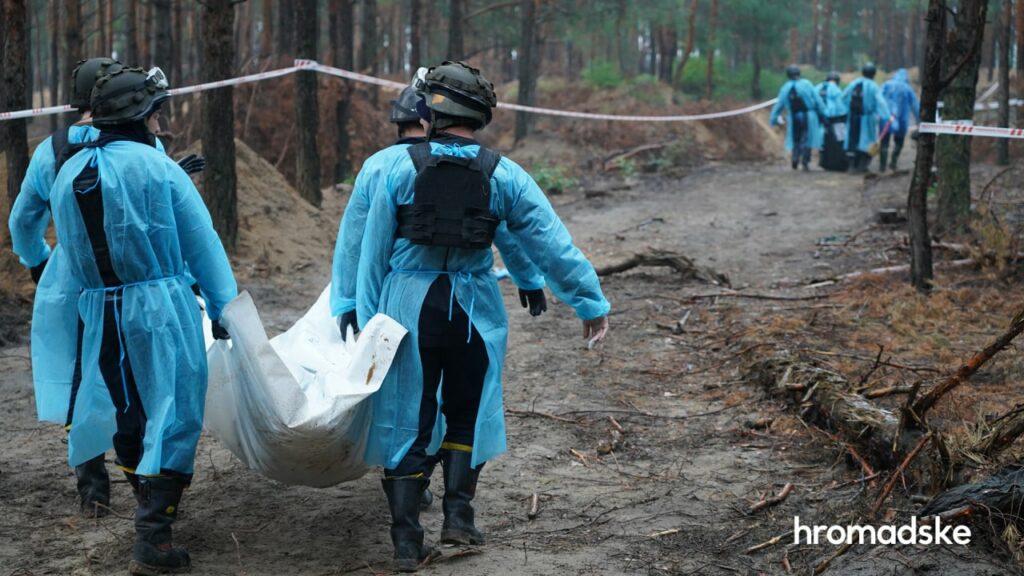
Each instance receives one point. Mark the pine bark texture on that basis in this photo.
(456, 50)
(14, 58)
(921, 272)
(307, 116)
(218, 120)
(527, 66)
(1005, 26)
(953, 154)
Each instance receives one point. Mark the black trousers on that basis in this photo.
(454, 358)
(131, 417)
(76, 376)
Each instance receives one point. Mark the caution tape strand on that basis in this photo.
(313, 66)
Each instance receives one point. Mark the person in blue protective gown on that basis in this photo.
(133, 227)
(350, 234)
(56, 365)
(804, 109)
(345, 263)
(56, 327)
(903, 103)
(426, 260)
(832, 156)
(866, 108)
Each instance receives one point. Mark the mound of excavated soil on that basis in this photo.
(279, 233)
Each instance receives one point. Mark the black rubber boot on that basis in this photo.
(426, 499)
(153, 552)
(133, 481)
(93, 487)
(882, 160)
(404, 498)
(459, 488)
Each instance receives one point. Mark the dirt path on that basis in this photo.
(671, 500)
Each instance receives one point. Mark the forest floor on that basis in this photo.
(700, 443)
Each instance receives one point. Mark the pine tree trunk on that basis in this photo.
(101, 28)
(285, 28)
(415, 35)
(954, 152)
(457, 9)
(1005, 25)
(527, 69)
(709, 81)
(921, 273)
(368, 50)
(146, 43)
(815, 32)
(267, 32)
(307, 117)
(177, 56)
(218, 120)
(163, 43)
(755, 82)
(131, 41)
(345, 50)
(56, 81)
(688, 49)
(826, 35)
(1020, 35)
(14, 60)
(72, 44)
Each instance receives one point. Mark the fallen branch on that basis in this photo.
(889, 270)
(888, 391)
(614, 161)
(891, 482)
(525, 413)
(675, 260)
(665, 533)
(926, 402)
(1005, 430)
(772, 501)
(826, 398)
(766, 544)
(824, 564)
(888, 363)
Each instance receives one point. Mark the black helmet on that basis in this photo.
(403, 110)
(84, 77)
(127, 95)
(833, 76)
(793, 72)
(869, 70)
(457, 90)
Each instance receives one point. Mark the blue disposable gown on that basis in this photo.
(832, 96)
(902, 101)
(815, 111)
(395, 274)
(156, 224)
(875, 111)
(55, 308)
(350, 235)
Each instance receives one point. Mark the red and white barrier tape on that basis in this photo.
(312, 65)
(971, 130)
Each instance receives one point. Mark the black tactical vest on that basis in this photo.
(452, 202)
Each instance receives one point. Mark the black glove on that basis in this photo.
(37, 271)
(535, 299)
(345, 320)
(219, 333)
(192, 163)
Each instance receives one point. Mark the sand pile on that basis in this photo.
(279, 232)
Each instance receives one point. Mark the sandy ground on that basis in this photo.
(672, 499)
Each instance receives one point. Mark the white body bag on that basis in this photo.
(294, 408)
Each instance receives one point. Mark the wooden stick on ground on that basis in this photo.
(926, 402)
(774, 500)
(534, 506)
(897, 473)
(766, 544)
